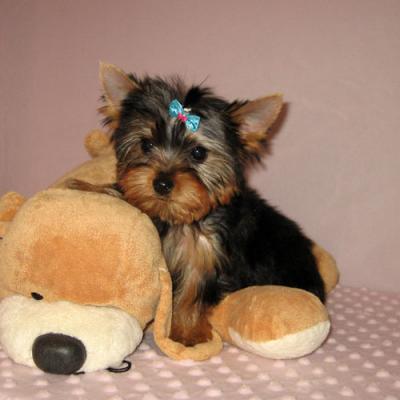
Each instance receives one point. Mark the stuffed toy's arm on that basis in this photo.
(272, 321)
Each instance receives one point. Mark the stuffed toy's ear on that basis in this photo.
(254, 119)
(116, 86)
(162, 328)
(10, 203)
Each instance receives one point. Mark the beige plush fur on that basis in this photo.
(93, 249)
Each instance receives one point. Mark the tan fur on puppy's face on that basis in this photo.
(189, 200)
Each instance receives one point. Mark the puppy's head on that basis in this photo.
(167, 168)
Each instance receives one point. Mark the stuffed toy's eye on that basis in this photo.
(36, 296)
(147, 145)
(199, 154)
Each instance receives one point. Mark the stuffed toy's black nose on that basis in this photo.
(58, 354)
(163, 184)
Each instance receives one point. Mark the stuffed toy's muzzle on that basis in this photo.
(65, 338)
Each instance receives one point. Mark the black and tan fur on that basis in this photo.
(217, 234)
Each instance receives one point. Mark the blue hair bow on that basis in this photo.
(176, 110)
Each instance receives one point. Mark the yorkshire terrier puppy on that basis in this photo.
(181, 158)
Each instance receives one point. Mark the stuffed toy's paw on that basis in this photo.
(272, 321)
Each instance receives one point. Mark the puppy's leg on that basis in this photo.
(78, 184)
(190, 325)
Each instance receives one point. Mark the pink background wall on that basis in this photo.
(335, 162)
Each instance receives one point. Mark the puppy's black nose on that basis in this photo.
(58, 354)
(163, 184)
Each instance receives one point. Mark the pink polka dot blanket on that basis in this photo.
(359, 360)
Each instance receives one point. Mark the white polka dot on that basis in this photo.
(6, 363)
(112, 389)
(41, 382)
(181, 395)
(188, 363)
(275, 386)
(9, 384)
(141, 387)
(174, 384)
(252, 368)
(354, 356)
(234, 379)
(204, 382)
(263, 376)
(366, 346)
(78, 391)
(233, 350)
(318, 371)
(317, 396)
(158, 364)
(331, 380)
(165, 374)
(303, 384)
(149, 354)
(358, 378)
(382, 374)
(149, 396)
(43, 394)
(104, 377)
(291, 373)
(245, 390)
(73, 380)
(213, 392)
(279, 364)
(372, 388)
(347, 392)
(196, 372)
(135, 375)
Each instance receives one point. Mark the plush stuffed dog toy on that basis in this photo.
(82, 275)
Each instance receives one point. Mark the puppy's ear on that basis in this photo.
(116, 87)
(254, 119)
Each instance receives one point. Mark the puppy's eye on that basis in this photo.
(36, 296)
(199, 154)
(147, 145)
